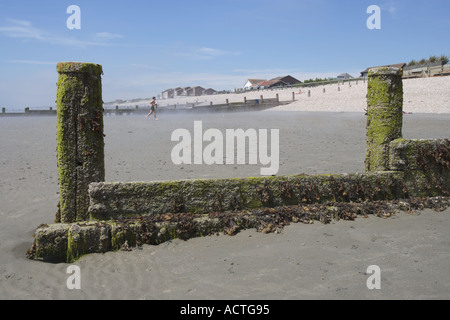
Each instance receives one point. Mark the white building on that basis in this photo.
(252, 83)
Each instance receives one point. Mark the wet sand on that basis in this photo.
(303, 262)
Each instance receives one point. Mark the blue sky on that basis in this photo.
(147, 46)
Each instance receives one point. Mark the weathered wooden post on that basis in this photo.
(277, 97)
(261, 99)
(309, 93)
(293, 96)
(245, 100)
(80, 144)
(384, 115)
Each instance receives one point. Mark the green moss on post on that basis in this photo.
(384, 115)
(80, 143)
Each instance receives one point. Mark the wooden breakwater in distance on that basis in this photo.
(245, 105)
(29, 112)
(400, 174)
(261, 103)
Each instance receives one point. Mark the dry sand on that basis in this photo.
(425, 95)
(303, 262)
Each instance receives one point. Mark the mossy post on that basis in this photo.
(80, 144)
(384, 115)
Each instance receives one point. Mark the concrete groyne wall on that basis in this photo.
(112, 201)
(97, 216)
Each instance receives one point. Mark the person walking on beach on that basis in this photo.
(153, 106)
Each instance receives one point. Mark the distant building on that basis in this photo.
(365, 73)
(209, 91)
(168, 94)
(279, 82)
(429, 69)
(252, 83)
(344, 76)
(275, 82)
(287, 79)
(179, 91)
(186, 92)
(195, 91)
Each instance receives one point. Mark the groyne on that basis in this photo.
(400, 174)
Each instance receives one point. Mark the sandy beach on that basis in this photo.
(299, 152)
(424, 95)
(302, 262)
